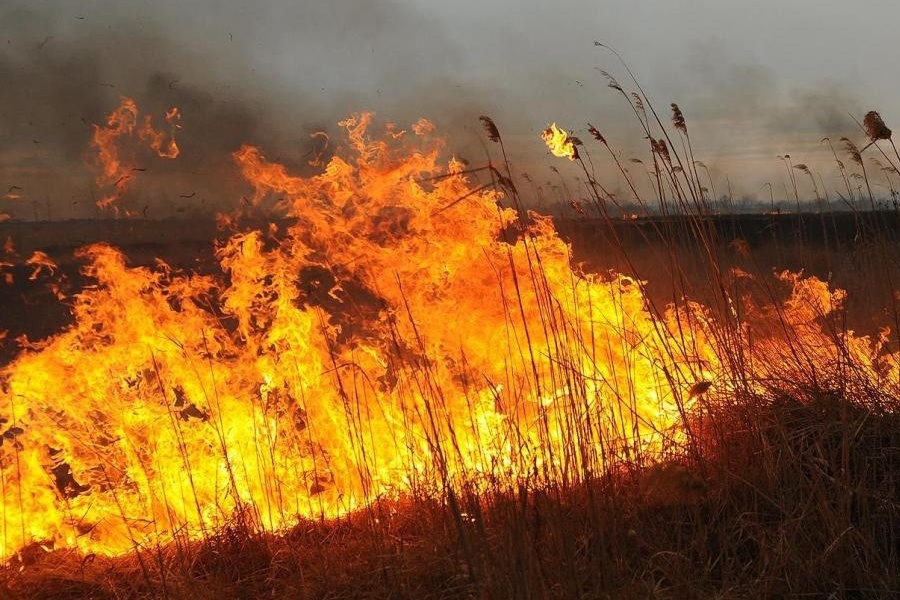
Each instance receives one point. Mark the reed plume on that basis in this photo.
(852, 151)
(612, 82)
(678, 119)
(660, 147)
(596, 134)
(875, 127)
(491, 128)
(639, 104)
(856, 156)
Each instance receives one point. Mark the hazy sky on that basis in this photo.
(754, 79)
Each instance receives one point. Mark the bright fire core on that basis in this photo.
(392, 339)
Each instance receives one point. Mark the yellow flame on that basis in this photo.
(389, 341)
(559, 142)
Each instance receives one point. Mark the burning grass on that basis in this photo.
(407, 390)
(795, 497)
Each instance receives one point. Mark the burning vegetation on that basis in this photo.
(404, 333)
(113, 150)
(383, 343)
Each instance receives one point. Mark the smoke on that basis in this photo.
(268, 75)
(742, 115)
(272, 73)
(823, 107)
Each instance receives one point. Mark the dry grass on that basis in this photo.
(788, 489)
(788, 493)
(790, 497)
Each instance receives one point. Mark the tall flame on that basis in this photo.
(116, 166)
(391, 340)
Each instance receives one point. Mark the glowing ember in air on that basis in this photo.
(115, 159)
(559, 142)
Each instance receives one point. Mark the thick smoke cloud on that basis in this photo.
(267, 75)
(270, 73)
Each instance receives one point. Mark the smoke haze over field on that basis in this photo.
(754, 80)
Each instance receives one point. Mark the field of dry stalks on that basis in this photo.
(788, 490)
(408, 385)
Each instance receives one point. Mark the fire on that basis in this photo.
(388, 341)
(41, 263)
(559, 142)
(117, 169)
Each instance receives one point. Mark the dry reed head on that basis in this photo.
(576, 206)
(596, 133)
(490, 127)
(852, 150)
(802, 167)
(678, 119)
(611, 82)
(660, 147)
(638, 102)
(875, 127)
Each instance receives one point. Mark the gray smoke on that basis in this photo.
(268, 75)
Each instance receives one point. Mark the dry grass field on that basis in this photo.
(408, 385)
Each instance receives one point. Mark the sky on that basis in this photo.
(755, 80)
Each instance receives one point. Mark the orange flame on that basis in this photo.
(41, 262)
(390, 341)
(116, 170)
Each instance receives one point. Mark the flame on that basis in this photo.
(559, 142)
(41, 263)
(9, 250)
(389, 341)
(117, 169)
